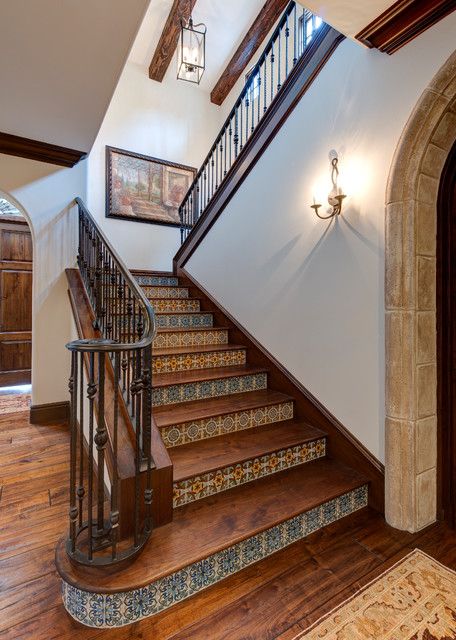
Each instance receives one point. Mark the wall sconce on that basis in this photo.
(335, 197)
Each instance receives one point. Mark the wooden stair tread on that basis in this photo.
(207, 455)
(174, 329)
(206, 526)
(167, 415)
(200, 375)
(182, 313)
(207, 348)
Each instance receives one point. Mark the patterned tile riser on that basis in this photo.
(167, 281)
(189, 339)
(177, 434)
(165, 292)
(119, 609)
(208, 389)
(187, 362)
(226, 478)
(170, 305)
(184, 320)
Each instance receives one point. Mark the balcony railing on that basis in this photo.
(290, 39)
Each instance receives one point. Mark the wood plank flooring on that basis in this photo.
(271, 600)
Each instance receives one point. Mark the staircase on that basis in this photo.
(250, 476)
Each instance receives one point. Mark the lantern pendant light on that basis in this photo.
(191, 52)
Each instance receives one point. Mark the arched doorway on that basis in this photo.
(16, 261)
(446, 339)
(411, 401)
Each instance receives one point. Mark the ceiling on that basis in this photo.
(227, 23)
(347, 16)
(59, 65)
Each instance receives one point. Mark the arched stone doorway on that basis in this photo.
(410, 304)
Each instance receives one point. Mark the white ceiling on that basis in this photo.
(348, 16)
(227, 22)
(59, 63)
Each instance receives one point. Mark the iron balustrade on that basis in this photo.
(105, 372)
(289, 41)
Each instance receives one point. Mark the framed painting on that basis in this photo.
(145, 189)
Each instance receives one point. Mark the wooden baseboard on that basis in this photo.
(343, 445)
(52, 412)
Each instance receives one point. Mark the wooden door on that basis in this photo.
(446, 340)
(15, 301)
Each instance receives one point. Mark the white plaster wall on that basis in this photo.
(311, 291)
(172, 120)
(45, 193)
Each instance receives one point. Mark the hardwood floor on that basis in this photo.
(273, 599)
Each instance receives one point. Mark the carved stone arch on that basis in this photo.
(410, 304)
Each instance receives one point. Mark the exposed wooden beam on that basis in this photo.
(263, 23)
(37, 150)
(402, 22)
(169, 38)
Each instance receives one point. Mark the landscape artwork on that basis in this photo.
(145, 189)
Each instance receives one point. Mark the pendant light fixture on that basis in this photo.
(191, 52)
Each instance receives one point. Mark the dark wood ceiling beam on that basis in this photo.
(169, 38)
(402, 22)
(265, 20)
(36, 150)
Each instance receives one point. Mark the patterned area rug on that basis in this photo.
(14, 402)
(414, 600)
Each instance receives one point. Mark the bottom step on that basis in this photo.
(210, 540)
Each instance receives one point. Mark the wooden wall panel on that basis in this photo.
(16, 245)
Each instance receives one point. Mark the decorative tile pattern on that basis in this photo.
(190, 338)
(185, 392)
(166, 292)
(226, 478)
(188, 361)
(167, 281)
(177, 434)
(184, 320)
(170, 305)
(119, 609)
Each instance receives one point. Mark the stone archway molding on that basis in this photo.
(410, 304)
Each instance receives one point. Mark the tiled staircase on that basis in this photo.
(249, 477)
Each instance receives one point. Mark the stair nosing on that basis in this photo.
(318, 435)
(222, 412)
(209, 373)
(198, 348)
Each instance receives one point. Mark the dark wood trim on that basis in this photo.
(342, 445)
(446, 342)
(261, 26)
(51, 412)
(38, 150)
(403, 22)
(14, 219)
(297, 83)
(169, 38)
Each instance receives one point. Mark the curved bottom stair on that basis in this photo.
(250, 474)
(211, 539)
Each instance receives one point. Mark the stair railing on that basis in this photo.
(290, 39)
(106, 371)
